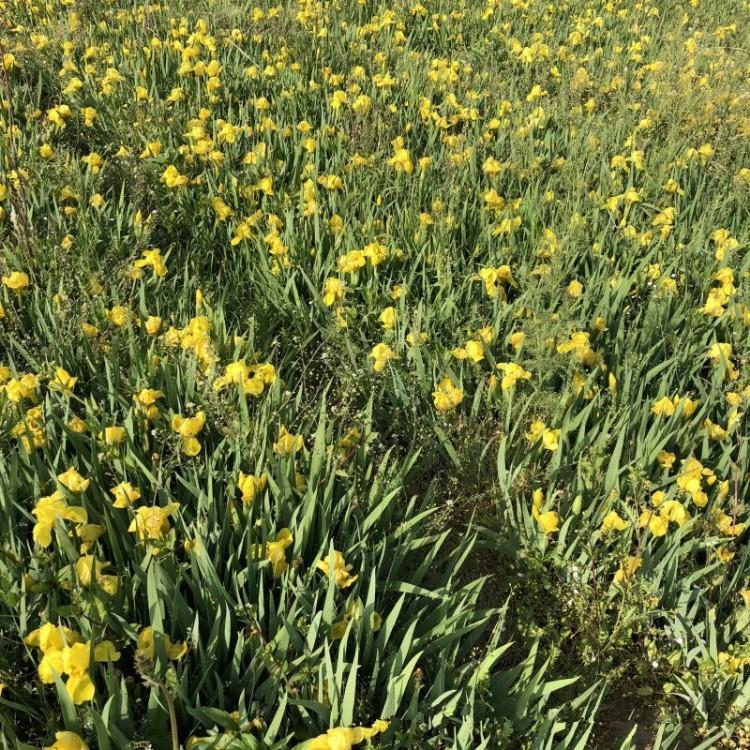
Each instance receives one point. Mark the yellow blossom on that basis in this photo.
(333, 291)
(63, 381)
(275, 552)
(73, 481)
(447, 396)
(666, 459)
(627, 570)
(67, 741)
(152, 523)
(17, 281)
(539, 431)
(341, 574)
(187, 428)
(512, 373)
(125, 495)
(388, 318)
(286, 444)
(147, 645)
(118, 316)
(381, 354)
(249, 485)
(89, 569)
(664, 407)
(152, 258)
(344, 739)
(146, 398)
(47, 510)
(153, 325)
(575, 289)
(613, 522)
(113, 435)
(549, 521)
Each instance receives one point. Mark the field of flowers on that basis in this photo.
(374, 374)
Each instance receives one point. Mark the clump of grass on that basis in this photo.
(373, 373)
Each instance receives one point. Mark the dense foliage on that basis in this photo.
(374, 374)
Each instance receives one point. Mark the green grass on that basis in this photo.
(404, 151)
